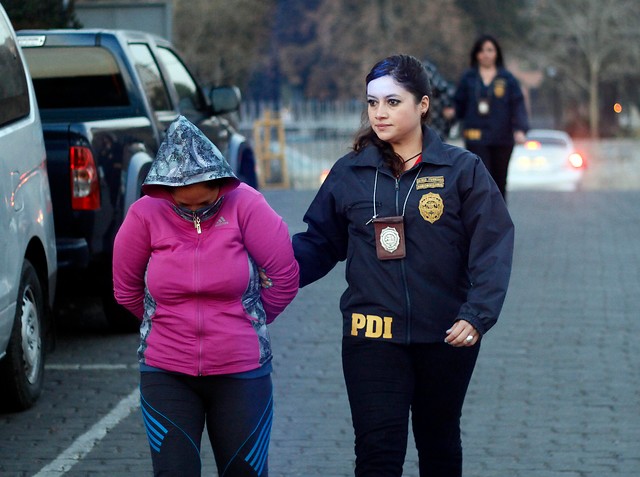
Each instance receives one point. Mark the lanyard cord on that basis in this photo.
(375, 189)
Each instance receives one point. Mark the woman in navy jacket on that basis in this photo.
(428, 246)
(490, 104)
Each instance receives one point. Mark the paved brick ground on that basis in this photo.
(556, 391)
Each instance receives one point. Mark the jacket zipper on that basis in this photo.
(196, 268)
(196, 223)
(403, 269)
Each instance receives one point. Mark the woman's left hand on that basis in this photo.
(461, 334)
(519, 137)
(265, 281)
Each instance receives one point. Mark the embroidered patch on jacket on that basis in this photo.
(431, 207)
(221, 221)
(430, 182)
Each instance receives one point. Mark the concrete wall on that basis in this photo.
(151, 16)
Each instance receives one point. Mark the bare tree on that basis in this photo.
(346, 37)
(588, 42)
(500, 18)
(41, 13)
(323, 48)
(223, 39)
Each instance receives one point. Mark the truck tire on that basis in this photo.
(22, 369)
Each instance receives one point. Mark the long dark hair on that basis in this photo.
(477, 46)
(408, 72)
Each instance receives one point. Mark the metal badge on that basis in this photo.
(389, 233)
(483, 106)
(499, 87)
(389, 239)
(431, 207)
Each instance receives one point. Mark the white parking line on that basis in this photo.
(83, 444)
(90, 367)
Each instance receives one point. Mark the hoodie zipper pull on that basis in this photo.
(196, 223)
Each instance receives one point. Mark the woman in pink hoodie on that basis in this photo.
(186, 263)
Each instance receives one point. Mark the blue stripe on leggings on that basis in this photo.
(258, 447)
(156, 432)
(163, 430)
(265, 452)
(258, 454)
(153, 442)
(152, 424)
(268, 413)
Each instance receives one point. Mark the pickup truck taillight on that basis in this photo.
(85, 183)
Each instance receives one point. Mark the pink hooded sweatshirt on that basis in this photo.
(196, 288)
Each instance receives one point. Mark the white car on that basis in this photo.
(547, 160)
(27, 241)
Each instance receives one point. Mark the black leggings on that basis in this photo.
(237, 412)
(386, 381)
(496, 159)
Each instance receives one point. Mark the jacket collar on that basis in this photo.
(433, 152)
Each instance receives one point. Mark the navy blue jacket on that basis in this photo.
(459, 243)
(507, 111)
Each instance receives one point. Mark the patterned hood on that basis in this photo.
(186, 156)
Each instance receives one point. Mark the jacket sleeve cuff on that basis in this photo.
(481, 325)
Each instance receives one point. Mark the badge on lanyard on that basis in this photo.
(389, 233)
(483, 106)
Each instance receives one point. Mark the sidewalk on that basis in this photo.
(556, 391)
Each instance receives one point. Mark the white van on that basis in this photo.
(27, 242)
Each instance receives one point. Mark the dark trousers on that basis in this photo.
(385, 382)
(237, 413)
(496, 159)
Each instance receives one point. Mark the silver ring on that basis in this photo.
(469, 339)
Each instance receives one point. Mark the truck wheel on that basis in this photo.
(22, 369)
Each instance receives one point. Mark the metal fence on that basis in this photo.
(317, 133)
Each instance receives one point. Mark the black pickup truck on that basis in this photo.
(106, 98)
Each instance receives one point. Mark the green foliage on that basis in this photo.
(41, 14)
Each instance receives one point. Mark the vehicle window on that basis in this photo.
(14, 92)
(549, 141)
(76, 77)
(151, 78)
(185, 85)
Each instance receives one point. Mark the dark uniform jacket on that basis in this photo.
(459, 243)
(507, 111)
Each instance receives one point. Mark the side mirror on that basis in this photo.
(225, 99)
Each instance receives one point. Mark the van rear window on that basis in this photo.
(76, 77)
(14, 93)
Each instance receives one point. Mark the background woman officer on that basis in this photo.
(490, 104)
